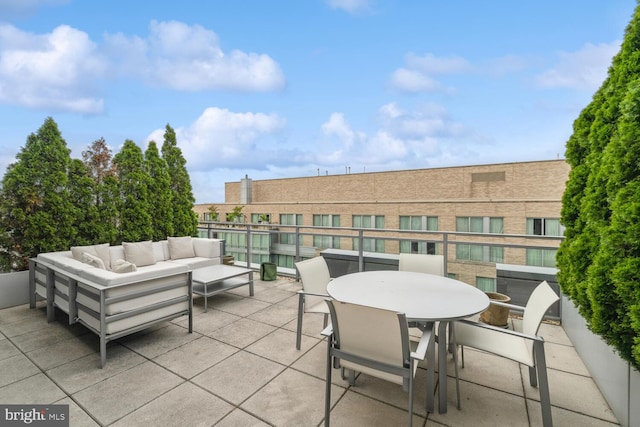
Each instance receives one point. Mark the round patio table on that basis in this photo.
(422, 298)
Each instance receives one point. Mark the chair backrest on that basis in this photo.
(314, 274)
(422, 263)
(539, 302)
(381, 336)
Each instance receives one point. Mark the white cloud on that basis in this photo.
(222, 138)
(338, 126)
(183, 57)
(54, 70)
(351, 6)
(585, 68)
(418, 74)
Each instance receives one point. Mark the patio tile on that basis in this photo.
(243, 307)
(65, 351)
(16, 368)
(21, 313)
(276, 315)
(85, 372)
(239, 418)
(291, 301)
(354, 409)
(7, 349)
(19, 325)
(206, 323)
(314, 362)
(272, 295)
(159, 341)
(563, 387)
(77, 416)
(563, 417)
(48, 334)
(291, 399)
(564, 358)
(195, 357)
(490, 370)
(122, 394)
(34, 389)
(480, 407)
(185, 405)
(242, 333)
(239, 376)
(280, 347)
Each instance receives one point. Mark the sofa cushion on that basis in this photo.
(92, 260)
(197, 262)
(159, 251)
(206, 248)
(181, 247)
(139, 253)
(101, 251)
(111, 278)
(122, 266)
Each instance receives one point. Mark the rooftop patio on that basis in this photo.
(240, 367)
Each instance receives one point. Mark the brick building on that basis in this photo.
(503, 199)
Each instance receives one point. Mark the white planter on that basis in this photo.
(14, 289)
(616, 379)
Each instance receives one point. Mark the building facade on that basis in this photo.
(521, 198)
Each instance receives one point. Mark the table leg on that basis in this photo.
(205, 297)
(431, 374)
(442, 366)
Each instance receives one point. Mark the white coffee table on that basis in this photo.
(208, 281)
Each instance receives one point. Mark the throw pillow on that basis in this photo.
(92, 260)
(101, 251)
(181, 247)
(123, 266)
(139, 253)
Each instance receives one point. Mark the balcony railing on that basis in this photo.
(298, 242)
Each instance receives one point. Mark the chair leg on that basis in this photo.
(300, 313)
(327, 398)
(533, 380)
(545, 398)
(410, 410)
(462, 354)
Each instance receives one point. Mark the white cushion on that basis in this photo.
(206, 248)
(139, 253)
(181, 247)
(158, 251)
(123, 266)
(101, 251)
(116, 252)
(92, 260)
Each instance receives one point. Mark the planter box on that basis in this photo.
(14, 289)
(616, 379)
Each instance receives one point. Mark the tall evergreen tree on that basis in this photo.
(133, 185)
(37, 215)
(185, 220)
(82, 197)
(160, 193)
(599, 259)
(99, 162)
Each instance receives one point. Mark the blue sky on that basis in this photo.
(288, 88)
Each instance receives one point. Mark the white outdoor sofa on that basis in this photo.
(98, 287)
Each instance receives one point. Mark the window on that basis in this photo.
(368, 221)
(486, 284)
(544, 227)
(290, 219)
(326, 220)
(418, 223)
(478, 224)
(257, 218)
(541, 257)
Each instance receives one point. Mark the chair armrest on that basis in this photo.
(423, 344)
(504, 304)
(314, 294)
(501, 330)
(328, 331)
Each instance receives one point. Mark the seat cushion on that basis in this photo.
(139, 253)
(101, 251)
(181, 247)
(92, 260)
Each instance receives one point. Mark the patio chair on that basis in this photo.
(524, 347)
(375, 342)
(422, 263)
(314, 274)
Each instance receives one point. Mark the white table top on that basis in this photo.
(420, 296)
